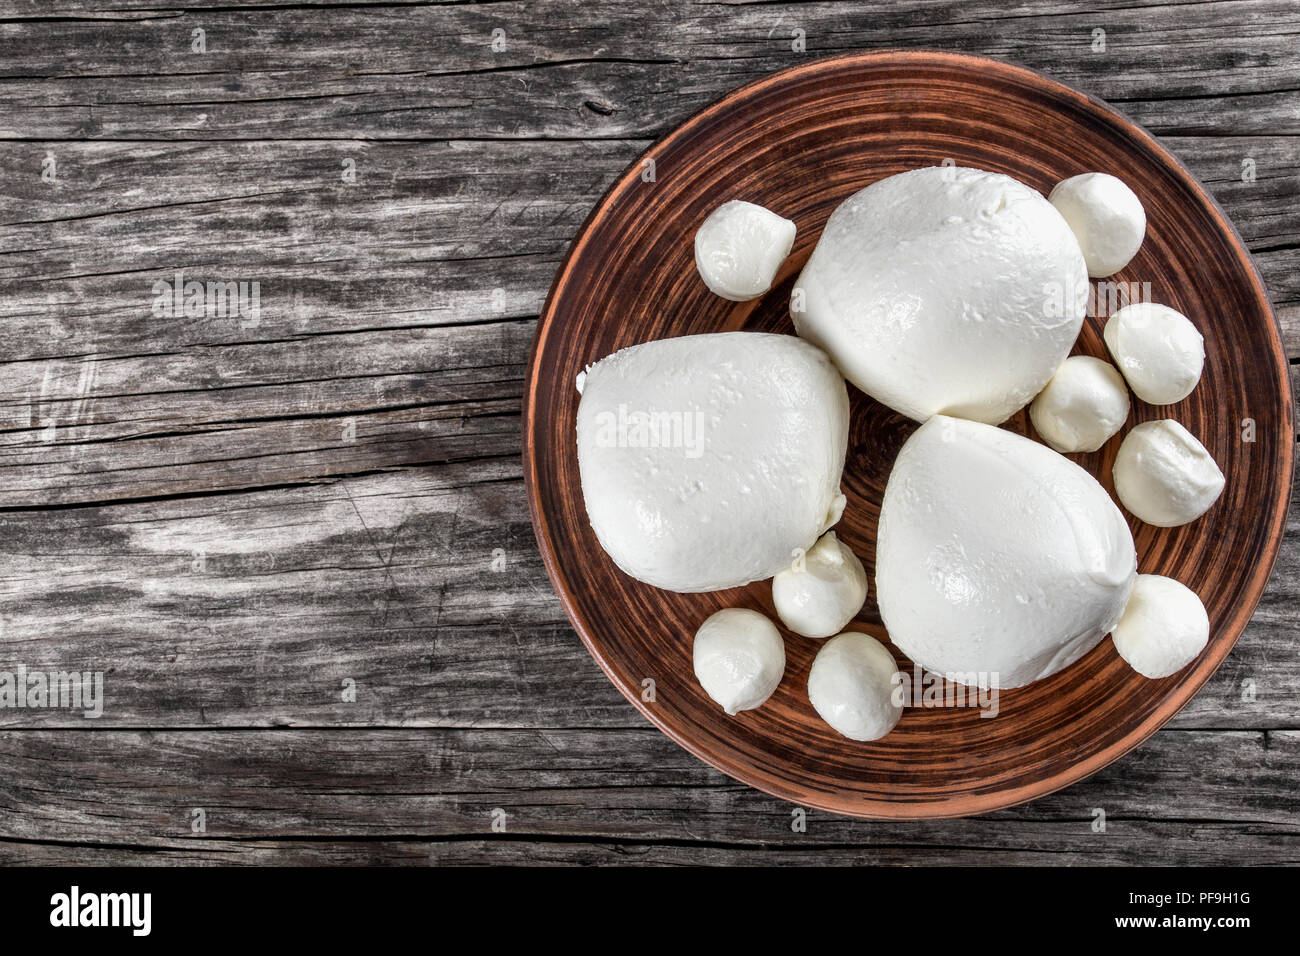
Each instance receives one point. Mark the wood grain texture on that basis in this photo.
(387, 580)
(569, 795)
(474, 170)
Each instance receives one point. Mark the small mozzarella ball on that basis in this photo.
(1084, 404)
(739, 249)
(1164, 627)
(817, 596)
(851, 685)
(1158, 349)
(1164, 475)
(739, 658)
(1105, 216)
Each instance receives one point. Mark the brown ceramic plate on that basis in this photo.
(799, 142)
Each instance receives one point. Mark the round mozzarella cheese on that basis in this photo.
(998, 561)
(1158, 349)
(822, 590)
(1164, 627)
(1084, 404)
(739, 658)
(1164, 475)
(707, 460)
(739, 249)
(1107, 218)
(945, 291)
(851, 686)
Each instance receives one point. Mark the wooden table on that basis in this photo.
(290, 529)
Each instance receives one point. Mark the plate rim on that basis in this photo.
(971, 804)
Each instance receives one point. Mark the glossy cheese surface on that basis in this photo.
(945, 291)
(997, 558)
(706, 460)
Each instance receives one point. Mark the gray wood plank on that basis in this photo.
(433, 795)
(1181, 844)
(598, 69)
(256, 415)
(408, 293)
(424, 586)
(437, 233)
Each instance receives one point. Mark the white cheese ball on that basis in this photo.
(851, 685)
(1107, 218)
(1158, 349)
(998, 561)
(1084, 404)
(818, 595)
(739, 658)
(706, 460)
(945, 291)
(739, 249)
(1164, 627)
(1164, 475)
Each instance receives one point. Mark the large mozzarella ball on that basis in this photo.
(1107, 218)
(739, 658)
(998, 561)
(851, 685)
(1164, 475)
(822, 591)
(739, 249)
(707, 460)
(1164, 627)
(1084, 404)
(945, 291)
(1158, 349)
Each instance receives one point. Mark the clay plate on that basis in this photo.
(799, 142)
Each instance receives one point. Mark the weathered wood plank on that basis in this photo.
(424, 586)
(426, 234)
(597, 69)
(445, 200)
(113, 401)
(429, 234)
(225, 418)
(1177, 843)
(105, 429)
(252, 415)
(433, 794)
